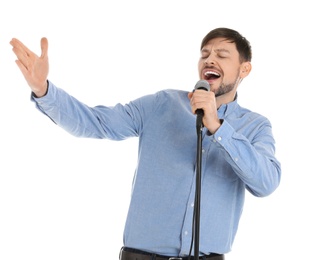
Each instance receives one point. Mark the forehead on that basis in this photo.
(220, 44)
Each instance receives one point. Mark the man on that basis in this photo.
(238, 149)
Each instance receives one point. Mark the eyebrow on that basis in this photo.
(216, 51)
(222, 50)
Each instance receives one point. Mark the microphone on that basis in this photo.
(201, 84)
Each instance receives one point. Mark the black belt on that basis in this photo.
(135, 254)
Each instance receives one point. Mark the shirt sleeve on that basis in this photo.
(252, 157)
(114, 122)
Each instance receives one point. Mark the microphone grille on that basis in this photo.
(202, 84)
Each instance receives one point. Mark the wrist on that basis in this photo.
(212, 130)
(42, 91)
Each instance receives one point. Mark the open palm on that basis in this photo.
(34, 68)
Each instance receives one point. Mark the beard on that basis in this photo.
(226, 88)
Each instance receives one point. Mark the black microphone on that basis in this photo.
(201, 84)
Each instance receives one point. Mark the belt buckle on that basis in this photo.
(175, 258)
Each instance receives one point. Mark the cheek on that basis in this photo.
(231, 72)
(200, 66)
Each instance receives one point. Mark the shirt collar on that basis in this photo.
(225, 109)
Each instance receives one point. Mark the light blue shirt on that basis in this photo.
(239, 156)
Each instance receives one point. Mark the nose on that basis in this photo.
(209, 61)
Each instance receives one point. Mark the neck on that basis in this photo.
(226, 98)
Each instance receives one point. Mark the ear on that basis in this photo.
(245, 69)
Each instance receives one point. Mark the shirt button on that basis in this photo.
(203, 151)
(186, 233)
(192, 205)
(219, 138)
(236, 159)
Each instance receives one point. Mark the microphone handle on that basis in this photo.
(199, 119)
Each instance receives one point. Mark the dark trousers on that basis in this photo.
(134, 254)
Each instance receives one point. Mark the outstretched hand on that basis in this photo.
(35, 69)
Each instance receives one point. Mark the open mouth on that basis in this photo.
(211, 75)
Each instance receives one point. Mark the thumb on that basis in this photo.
(44, 47)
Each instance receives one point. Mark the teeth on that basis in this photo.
(211, 73)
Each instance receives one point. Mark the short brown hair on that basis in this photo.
(242, 44)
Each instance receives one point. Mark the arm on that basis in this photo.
(249, 149)
(251, 153)
(66, 111)
(114, 122)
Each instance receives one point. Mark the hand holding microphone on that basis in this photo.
(203, 104)
(202, 84)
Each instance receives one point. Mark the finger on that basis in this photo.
(20, 46)
(21, 51)
(22, 57)
(44, 47)
(22, 68)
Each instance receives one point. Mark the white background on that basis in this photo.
(63, 197)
